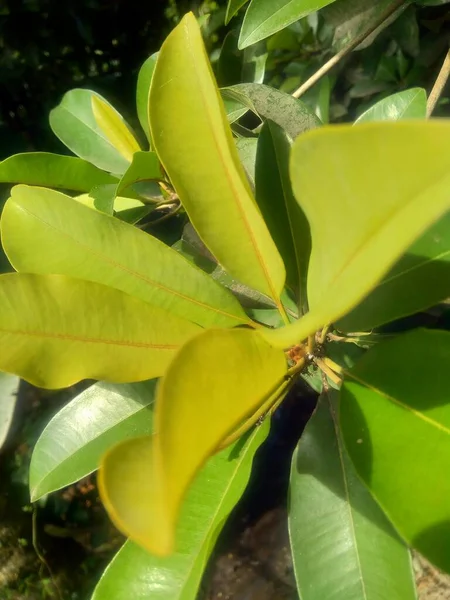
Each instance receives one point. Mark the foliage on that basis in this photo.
(302, 238)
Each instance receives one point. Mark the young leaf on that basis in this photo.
(114, 128)
(335, 525)
(232, 8)
(390, 181)
(52, 170)
(409, 104)
(395, 420)
(74, 123)
(55, 331)
(208, 176)
(9, 387)
(73, 442)
(285, 219)
(265, 17)
(143, 92)
(96, 247)
(420, 279)
(266, 102)
(144, 167)
(134, 573)
(213, 385)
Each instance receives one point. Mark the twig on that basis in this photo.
(347, 49)
(439, 85)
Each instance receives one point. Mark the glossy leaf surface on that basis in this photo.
(74, 123)
(409, 104)
(268, 103)
(55, 331)
(134, 573)
(97, 247)
(52, 170)
(214, 383)
(395, 418)
(9, 388)
(265, 17)
(73, 442)
(143, 92)
(212, 184)
(336, 527)
(354, 174)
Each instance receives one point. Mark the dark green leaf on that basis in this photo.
(9, 387)
(232, 7)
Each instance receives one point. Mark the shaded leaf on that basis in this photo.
(287, 112)
(395, 419)
(143, 92)
(96, 247)
(390, 181)
(234, 109)
(211, 185)
(335, 525)
(215, 383)
(134, 573)
(9, 388)
(247, 153)
(409, 104)
(232, 7)
(52, 170)
(55, 331)
(74, 123)
(144, 167)
(73, 442)
(265, 17)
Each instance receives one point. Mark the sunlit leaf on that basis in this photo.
(395, 419)
(73, 442)
(409, 104)
(52, 170)
(391, 181)
(9, 388)
(336, 527)
(74, 123)
(55, 331)
(208, 177)
(143, 92)
(215, 382)
(134, 573)
(265, 17)
(97, 247)
(144, 167)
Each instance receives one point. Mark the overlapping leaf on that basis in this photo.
(409, 104)
(97, 247)
(55, 331)
(390, 181)
(9, 389)
(232, 7)
(395, 419)
(207, 174)
(73, 442)
(143, 92)
(214, 383)
(335, 525)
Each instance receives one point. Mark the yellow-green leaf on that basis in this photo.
(192, 137)
(44, 231)
(368, 192)
(55, 331)
(114, 128)
(215, 381)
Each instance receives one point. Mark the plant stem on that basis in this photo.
(347, 49)
(439, 85)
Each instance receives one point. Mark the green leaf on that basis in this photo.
(285, 219)
(9, 388)
(74, 123)
(409, 104)
(287, 112)
(420, 279)
(73, 442)
(211, 184)
(214, 383)
(97, 247)
(247, 153)
(265, 17)
(395, 420)
(134, 573)
(234, 109)
(144, 167)
(55, 331)
(52, 170)
(143, 93)
(232, 8)
(236, 67)
(390, 181)
(336, 527)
